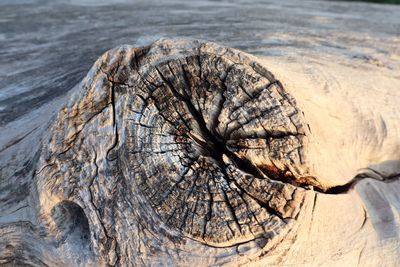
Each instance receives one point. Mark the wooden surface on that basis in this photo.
(338, 67)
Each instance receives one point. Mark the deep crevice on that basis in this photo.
(216, 147)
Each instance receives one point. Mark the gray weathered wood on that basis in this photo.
(185, 152)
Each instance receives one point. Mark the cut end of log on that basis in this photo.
(182, 143)
(203, 138)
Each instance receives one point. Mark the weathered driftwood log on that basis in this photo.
(187, 153)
